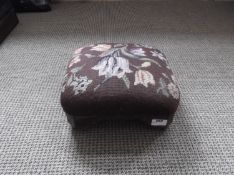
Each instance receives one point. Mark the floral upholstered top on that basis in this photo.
(121, 72)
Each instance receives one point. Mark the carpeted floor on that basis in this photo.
(198, 39)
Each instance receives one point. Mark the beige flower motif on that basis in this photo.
(144, 77)
(173, 90)
(101, 47)
(74, 61)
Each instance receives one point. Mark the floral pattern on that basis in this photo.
(163, 88)
(125, 62)
(144, 77)
(173, 90)
(76, 57)
(146, 64)
(112, 66)
(158, 55)
(80, 84)
(78, 51)
(138, 52)
(74, 61)
(101, 47)
(173, 78)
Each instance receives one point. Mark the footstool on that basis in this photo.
(119, 81)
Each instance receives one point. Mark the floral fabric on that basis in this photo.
(132, 65)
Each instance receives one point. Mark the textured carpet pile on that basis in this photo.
(198, 39)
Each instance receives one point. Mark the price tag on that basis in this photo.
(158, 122)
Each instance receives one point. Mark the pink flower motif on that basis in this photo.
(78, 51)
(74, 61)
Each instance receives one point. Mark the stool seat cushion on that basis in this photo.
(129, 81)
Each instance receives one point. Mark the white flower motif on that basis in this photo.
(159, 55)
(80, 84)
(101, 47)
(144, 77)
(138, 52)
(112, 66)
(74, 61)
(146, 64)
(173, 90)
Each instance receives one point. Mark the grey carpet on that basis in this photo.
(198, 39)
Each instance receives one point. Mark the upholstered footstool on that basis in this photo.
(119, 81)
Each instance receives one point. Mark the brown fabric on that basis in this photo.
(119, 79)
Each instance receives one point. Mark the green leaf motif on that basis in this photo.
(163, 87)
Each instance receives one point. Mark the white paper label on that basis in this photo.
(158, 122)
